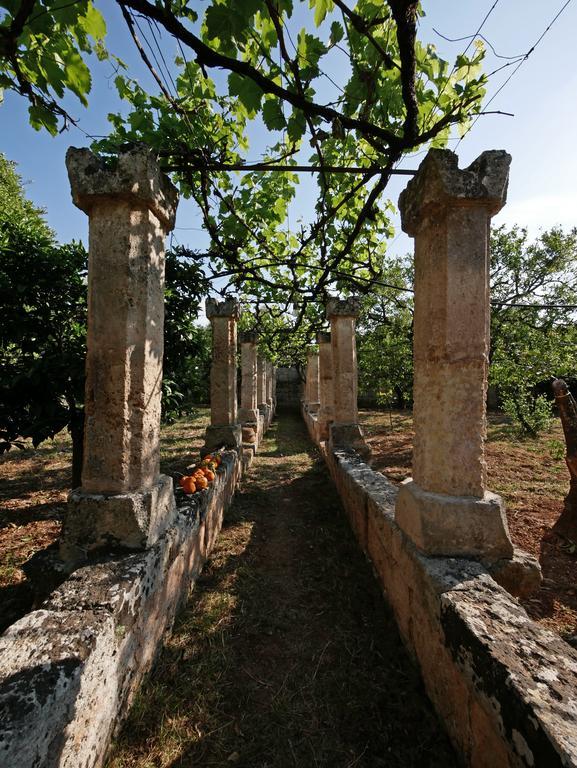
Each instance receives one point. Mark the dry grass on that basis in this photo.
(286, 654)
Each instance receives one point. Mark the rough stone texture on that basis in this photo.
(221, 437)
(345, 429)
(312, 382)
(448, 211)
(248, 412)
(520, 575)
(326, 411)
(439, 182)
(134, 176)
(132, 207)
(505, 687)
(68, 672)
(261, 394)
(454, 525)
(349, 436)
(122, 521)
(269, 385)
(223, 317)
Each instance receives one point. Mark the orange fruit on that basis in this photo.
(188, 484)
(202, 482)
(209, 474)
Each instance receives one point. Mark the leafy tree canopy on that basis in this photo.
(352, 86)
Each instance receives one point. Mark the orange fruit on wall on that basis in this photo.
(188, 484)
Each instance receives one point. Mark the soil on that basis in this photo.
(532, 478)
(286, 654)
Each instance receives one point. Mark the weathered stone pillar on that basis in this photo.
(248, 412)
(326, 413)
(345, 431)
(446, 508)
(123, 500)
(261, 389)
(312, 382)
(269, 385)
(224, 430)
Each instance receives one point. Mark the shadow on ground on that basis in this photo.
(286, 655)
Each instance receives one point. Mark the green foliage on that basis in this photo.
(385, 337)
(531, 414)
(42, 334)
(43, 54)
(187, 346)
(534, 343)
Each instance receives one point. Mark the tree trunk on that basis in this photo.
(566, 525)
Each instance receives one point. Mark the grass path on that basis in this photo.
(286, 654)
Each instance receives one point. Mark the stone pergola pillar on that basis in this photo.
(345, 431)
(248, 412)
(123, 501)
(326, 411)
(224, 429)
(261, 390)
(269, 386)
(445, 508)
(312, 381)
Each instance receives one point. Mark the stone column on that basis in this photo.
(248, 413)
(269, 385)
(326, 412)
(123, 500)
(345, 431)
(445, 508)
(261, 389)
(312, 383)
(224, 430)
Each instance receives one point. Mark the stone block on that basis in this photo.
(520, 575)
(96, 522)
(453, 525)
(228, 436)
(349, 436)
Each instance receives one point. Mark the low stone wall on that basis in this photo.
(69, 671)
(505, 687)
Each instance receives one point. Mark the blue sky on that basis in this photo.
(540, 137)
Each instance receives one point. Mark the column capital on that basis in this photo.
(349, 307)
(249, 337)
(323, 337)
(440, 184)
(228, 308)
(134, 176)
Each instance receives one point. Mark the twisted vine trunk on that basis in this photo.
(566, 525)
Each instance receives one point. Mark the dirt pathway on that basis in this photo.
(286, 654)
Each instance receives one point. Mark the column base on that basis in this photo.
(349, 436)
(227, 436)
(133, 520)
(247, 416)
(250, 433)
(453, 526)
(266, 414)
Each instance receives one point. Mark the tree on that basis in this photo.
(397, 94)
(385, 337)
(42, 333)
(533, 330)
